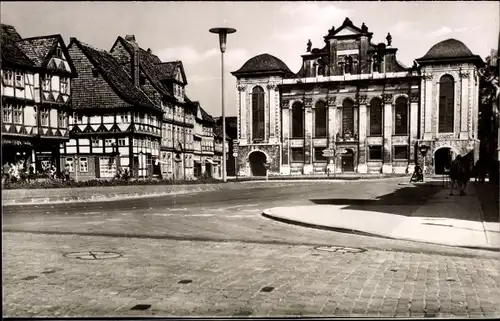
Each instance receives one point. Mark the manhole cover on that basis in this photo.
(93, 255)
(340, 249)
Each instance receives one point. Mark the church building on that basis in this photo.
(353, 107)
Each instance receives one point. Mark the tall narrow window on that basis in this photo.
(446, 103)
(44, 116)
(64, 85)
(347, 118)
(321, 119)
(401, 116)
(258, 113)
(47, 79)
(297, 120)
(17, 114)
(8, 77)
(375, 117)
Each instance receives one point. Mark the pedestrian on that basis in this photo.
(66, 172)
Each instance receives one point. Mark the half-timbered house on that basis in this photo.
(164, 83)
(115, 126)
(36, 97)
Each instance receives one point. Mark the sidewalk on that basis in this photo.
(440, 219)
(98, 194)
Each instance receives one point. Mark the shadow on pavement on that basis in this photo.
(404, 201)
(488, 195)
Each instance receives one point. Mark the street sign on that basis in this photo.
(328, 153)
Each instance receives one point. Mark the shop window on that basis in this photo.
(298, 154)
(401, 152)
(318, 154)
(84, 165)
(375, 153)
(69, 162)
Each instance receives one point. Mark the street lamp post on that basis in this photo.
(223, 32)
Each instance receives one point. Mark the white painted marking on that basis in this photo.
(162, 214)
(202, 215)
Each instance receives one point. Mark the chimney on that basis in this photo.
(135, 59)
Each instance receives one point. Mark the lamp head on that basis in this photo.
(223, 32)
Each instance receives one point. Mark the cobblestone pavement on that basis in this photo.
(227, 279)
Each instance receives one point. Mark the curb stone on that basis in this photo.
(98, 198)
(268, 214)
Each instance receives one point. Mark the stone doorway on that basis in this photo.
(442, 159)
(347, 161)
(257, 162)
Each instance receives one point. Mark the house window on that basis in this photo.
(298, 154)
(8, 77)
(19, 80)
(347, 118)
(348, 65)
(69, 162)
(401, 116)
(7, 113)
(84, 164)
(121, 141)
(375, 117)
(44, 117)
(318, 154)
(47, 79)
(108, 142)
(446, 103)
(61, 120)
(107, 166)
(78, 118)
(297, 120)
(64, 85)
(124, 118)
(58, 52)
(95, 142)
(401, 152)
(17, 113)
(375, 153)
(258, 113)
(321, 119)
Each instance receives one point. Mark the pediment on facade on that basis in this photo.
(346, 31)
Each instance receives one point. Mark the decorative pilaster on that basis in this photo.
(242, 112)
(464, 105)
(428, 102)
(271, 114)
(387, 148)
(413, 128)
(285, 125)
(332, 130)
(362, 166)
(308, 168)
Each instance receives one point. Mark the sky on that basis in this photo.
(179, 31)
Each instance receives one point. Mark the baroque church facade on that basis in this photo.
(353, 107)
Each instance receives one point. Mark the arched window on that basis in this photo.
(348, 65)
(297, 120)
(376, 117)
(347, 118)
(258, 113)
(446, 103)
(321, 119)
(401, 116)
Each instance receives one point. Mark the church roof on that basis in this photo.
(450, 48)
(264, 63)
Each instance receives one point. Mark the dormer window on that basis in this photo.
(58, 52)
